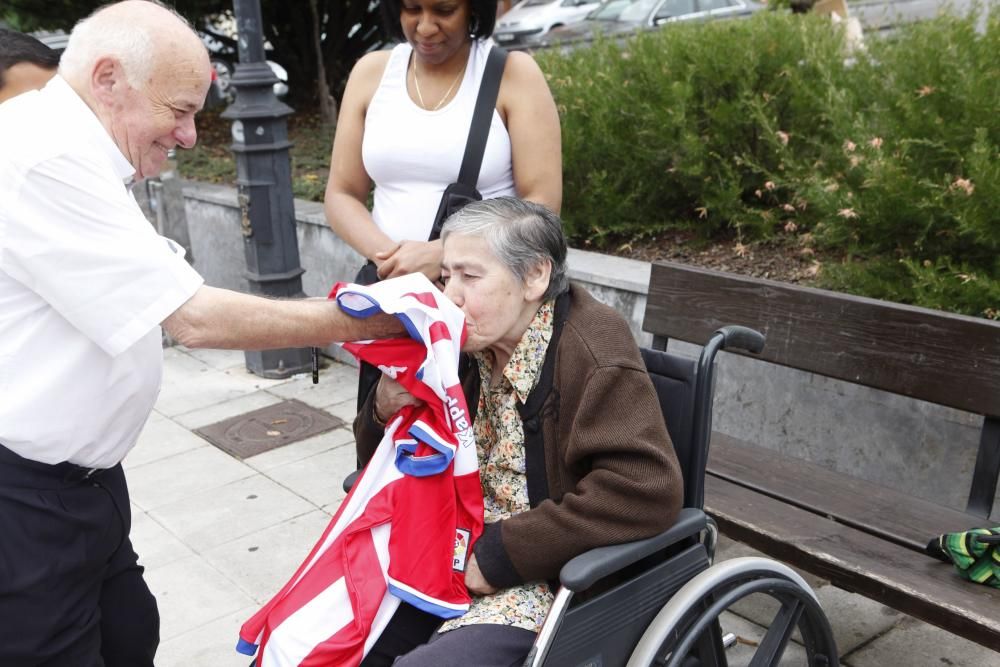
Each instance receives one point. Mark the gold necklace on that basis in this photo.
(416, 84)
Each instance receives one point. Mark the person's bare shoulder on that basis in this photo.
(372, 64)
(523, 84)
(366, 75)
(522, 69)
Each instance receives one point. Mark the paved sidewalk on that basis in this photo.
(219, 536)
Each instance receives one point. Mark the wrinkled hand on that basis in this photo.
(390, 397)
(410, 257)
(474, 579)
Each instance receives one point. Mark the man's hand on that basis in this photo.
(390, 397)
(411, 257)
(474, 579)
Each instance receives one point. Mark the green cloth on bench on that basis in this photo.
(975, 554)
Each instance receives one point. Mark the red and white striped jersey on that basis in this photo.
(405, 530)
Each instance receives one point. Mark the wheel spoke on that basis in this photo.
(772, 647)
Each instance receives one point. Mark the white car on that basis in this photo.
(529, 20)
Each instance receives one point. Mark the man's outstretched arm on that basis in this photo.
(223, 319)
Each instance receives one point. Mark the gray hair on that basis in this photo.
(116, 34)
(520, 233)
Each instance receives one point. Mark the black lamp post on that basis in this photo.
(264, 182)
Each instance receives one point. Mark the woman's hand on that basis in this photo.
(474, 579)
(391, 397)
(410, 257)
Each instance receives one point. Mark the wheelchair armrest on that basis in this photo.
(350, 480)
(581, 572)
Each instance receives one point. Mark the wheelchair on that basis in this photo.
(665, 610)
(667, 613)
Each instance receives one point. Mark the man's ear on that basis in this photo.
(536, 281)
(106, 80)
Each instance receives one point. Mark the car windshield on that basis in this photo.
(623, 10)
(609, 11)
(537, 3)
(637, 10)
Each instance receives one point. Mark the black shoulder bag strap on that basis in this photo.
(479, 131)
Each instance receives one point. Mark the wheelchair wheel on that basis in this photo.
(685, 632)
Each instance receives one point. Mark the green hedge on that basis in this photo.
(890, 158)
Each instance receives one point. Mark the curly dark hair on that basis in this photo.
(17, 48)
(484, 18)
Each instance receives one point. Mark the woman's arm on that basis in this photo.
(348, 185)
(526, 105)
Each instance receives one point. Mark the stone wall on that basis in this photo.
(916, 447)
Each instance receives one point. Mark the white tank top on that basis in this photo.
(412, 154)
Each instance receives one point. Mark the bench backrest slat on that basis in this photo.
(952, 360)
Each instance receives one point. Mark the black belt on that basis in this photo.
(65, 471)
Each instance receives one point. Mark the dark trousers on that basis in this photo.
(71, 590)
(410, 640)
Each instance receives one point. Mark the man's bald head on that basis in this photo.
(139, 34)
(145, 73)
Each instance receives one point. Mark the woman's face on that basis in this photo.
(436, 29)
(498, 307)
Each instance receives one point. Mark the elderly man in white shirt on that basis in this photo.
(85, 284)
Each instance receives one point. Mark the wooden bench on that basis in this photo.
(861, 536)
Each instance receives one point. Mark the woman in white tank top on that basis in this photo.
(403, 125)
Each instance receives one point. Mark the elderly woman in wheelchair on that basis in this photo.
(592, 458)
(573, 449)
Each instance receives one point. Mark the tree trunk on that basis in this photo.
(327, 105)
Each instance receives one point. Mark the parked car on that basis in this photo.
(224, 56)
(530, 20)
(623, 17)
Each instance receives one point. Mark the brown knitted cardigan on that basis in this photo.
(600, 466)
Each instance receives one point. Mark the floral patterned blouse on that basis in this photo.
(500, 444)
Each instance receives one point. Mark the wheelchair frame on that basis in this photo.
(668, 613)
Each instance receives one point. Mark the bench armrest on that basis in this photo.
(581, 572)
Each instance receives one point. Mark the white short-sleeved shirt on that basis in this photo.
(84, 283)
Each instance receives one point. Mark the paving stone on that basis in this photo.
(177, 477)
(301, 450)
(916, 644)
(161, 437)
(346, 410)
(191, 593)
(335, 386)
(190, 384)
(749, 634)
(319, 478)
(261, 563)
(854, 618)
(213, 644)
(219, 515)
(155, 545)
(218, 359)
(220, 411)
